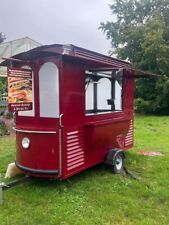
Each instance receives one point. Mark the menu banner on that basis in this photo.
(19, 89)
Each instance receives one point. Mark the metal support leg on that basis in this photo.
(2, 185)
(1, 192)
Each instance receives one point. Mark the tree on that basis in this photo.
(139, 33)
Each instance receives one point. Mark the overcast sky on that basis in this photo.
(57, 21)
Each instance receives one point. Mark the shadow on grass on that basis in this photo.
(95, 173)
(89, 174)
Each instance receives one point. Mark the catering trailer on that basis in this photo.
(81, 110)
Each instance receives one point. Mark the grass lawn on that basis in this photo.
(96, 196)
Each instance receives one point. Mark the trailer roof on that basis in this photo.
(70, 51)
(73, 52)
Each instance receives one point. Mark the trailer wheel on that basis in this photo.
(118, 165)
(115, 159)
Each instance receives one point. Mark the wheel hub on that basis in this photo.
(119, 162)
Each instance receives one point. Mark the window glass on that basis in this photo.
(49, 90)
(89, 96)
(118, 96)
(103, 94)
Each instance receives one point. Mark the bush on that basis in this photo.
(3, 128)
(143, 106)
(8, 115)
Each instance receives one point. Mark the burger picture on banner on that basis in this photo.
(19, 89)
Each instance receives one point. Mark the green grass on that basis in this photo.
(96, 196)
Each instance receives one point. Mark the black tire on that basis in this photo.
(115, 159)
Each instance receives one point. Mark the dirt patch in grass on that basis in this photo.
(152, 153)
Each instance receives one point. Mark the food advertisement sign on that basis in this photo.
(19, 89)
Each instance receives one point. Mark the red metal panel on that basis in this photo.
(102, 137)
(43, 151)
(72, 106)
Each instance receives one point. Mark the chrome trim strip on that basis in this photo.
(35, 170)
(60, 120)
(34, 131)
(60, 152)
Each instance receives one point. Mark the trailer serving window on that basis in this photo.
(103, 91)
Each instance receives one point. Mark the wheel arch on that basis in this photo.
(111, 155)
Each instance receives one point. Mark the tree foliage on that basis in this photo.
(139, 33)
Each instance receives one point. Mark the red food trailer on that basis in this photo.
(81, 110)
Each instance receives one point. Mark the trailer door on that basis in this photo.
(49, 114)
(40, 126)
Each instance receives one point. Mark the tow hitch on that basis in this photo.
(4, 186)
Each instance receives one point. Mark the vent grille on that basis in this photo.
(99, 57)
(129, 136)
(75, 149)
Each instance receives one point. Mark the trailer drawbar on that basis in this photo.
(4, 186)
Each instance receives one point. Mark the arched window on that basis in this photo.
(49, 90)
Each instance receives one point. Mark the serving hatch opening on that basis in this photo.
(104, 90)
